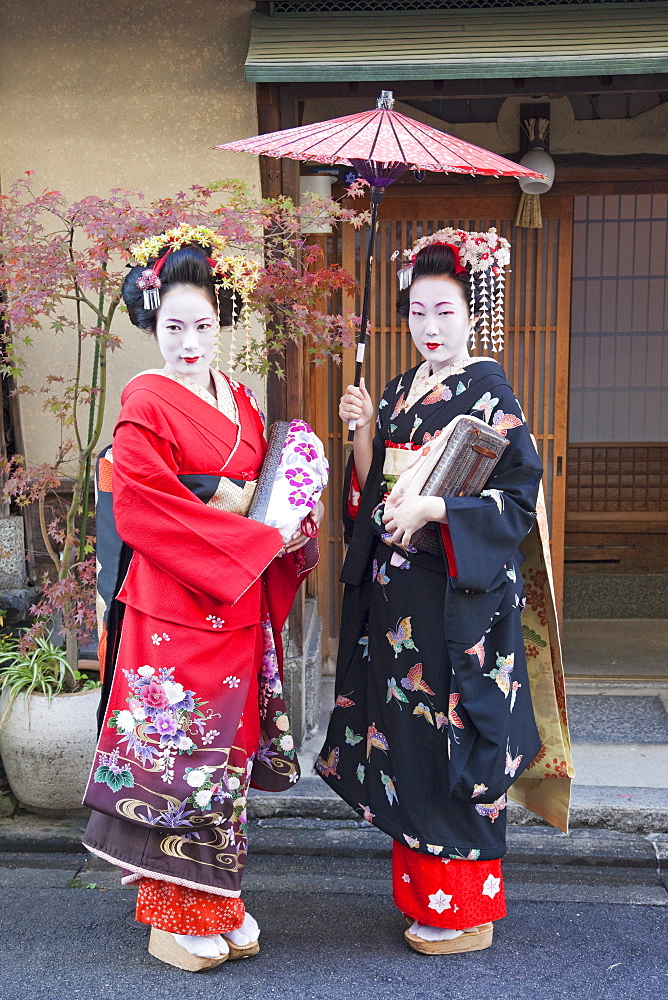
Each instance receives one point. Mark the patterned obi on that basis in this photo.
(233, 495)
(397, 457)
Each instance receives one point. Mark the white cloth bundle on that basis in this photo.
(291, 481)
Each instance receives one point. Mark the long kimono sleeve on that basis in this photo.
(208, 550)
(359, 531)
(485, 531)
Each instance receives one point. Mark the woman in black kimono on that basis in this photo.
(433, 718)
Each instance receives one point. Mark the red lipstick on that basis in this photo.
(432, 347)
(190, 361)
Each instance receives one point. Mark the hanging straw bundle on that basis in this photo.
(529, 215)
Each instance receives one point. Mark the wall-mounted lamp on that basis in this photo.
(536, 158)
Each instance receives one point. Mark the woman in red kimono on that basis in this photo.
(194, 711)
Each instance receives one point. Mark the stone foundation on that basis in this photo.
(12, 554)
(303, 675)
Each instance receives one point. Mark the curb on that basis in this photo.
(310, 804)
(627, 810)
(300, 837)
(626, 819)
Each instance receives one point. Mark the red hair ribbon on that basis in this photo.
(149, 280)
(160, 262)
(459, 267)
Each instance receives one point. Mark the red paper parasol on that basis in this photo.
(380, 145)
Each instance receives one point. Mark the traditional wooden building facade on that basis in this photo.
(587, 311)
(101, 96)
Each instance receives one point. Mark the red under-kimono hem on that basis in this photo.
(443, 892)
(180, 910)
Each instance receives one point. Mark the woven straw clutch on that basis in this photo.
(463, 469)
(265, 484)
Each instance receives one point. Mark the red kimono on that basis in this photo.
(195, 709)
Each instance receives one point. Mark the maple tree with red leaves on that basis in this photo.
(62, 264)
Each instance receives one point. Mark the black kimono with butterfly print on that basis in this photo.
(433, 719)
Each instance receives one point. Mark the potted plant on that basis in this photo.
(47, 725)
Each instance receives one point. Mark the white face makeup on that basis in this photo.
(186, 330)
(439, 320)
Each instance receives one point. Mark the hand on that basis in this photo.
(299, 539)
(405, 516)
(356, 405)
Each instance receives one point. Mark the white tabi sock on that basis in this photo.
(246, 934)
(203, 947)
(435, 933)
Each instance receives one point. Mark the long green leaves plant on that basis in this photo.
(42, 669)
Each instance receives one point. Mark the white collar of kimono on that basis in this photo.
(424, 380)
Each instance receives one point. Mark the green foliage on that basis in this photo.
(42, 669)
(116, 779)
(531, 636)
(76, 883)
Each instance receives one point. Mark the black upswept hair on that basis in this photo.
(186, 266)
(435, 260)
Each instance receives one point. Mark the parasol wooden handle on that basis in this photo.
(359, 361)
(376, 196)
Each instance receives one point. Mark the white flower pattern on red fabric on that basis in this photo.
(439, 901)
(210, 736)
(491, 887)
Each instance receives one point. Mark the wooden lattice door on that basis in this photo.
(535, 356)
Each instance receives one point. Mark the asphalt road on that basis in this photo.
(330, 932)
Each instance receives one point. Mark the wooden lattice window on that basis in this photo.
(613, 477)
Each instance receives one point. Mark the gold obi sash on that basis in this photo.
(233, 498)
(397, 458)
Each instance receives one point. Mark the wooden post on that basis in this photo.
(271, 181)
(277, 109)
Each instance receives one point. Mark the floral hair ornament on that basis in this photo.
(483, 254)
(238, 274)
(150, 284)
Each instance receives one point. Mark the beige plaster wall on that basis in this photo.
(132, 94)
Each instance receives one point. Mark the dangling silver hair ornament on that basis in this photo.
(484, 254)
(497, 318)
(484, 310)
(473, 311)
(492, 305)
(233, 340)
(150, 284)
(405, 276)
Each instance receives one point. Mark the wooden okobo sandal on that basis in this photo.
(242, 951)
(162, 945)
(476, 939)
